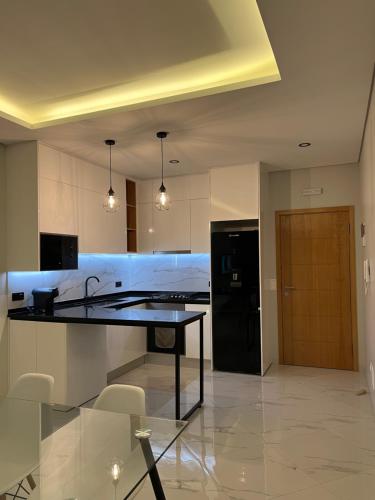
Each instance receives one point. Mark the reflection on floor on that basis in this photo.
(297, 434)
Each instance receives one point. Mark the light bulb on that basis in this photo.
(115, 469)
(111, 203)
(162, 201)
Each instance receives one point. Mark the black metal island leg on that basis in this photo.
(178, 350)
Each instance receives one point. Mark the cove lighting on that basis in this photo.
(243, 58)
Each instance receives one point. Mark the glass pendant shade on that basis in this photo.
(162, 201)
(111, 203)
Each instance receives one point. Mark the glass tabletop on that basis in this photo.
(77, 454)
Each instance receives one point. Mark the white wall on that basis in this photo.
(367, 190)
(340, 185)
(3, 290)
(267, 270)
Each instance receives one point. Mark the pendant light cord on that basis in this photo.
(110, 166)
(162, 161)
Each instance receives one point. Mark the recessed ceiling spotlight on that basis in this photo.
(174, 161)
(304, 144)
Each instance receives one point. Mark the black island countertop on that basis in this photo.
(116, 309)
(100, 315)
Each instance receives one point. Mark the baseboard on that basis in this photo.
(121, 370)
(156, 358)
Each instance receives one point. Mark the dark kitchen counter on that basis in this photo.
(116, 309)
(102, 315)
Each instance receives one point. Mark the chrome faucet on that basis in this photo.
(87, 282)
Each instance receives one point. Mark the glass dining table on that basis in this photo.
(55, 453)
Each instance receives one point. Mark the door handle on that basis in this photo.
(289, 287)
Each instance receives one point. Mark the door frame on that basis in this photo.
(352, 264)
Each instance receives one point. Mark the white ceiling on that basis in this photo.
(325, 52)
(65, 62)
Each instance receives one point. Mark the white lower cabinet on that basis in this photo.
(74, 354)
(192, 333)
(125, 344)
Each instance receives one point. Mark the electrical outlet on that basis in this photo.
(118, 284)
(18, 296)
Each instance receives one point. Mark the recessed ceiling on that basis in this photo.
(66, 60)
(325, 51)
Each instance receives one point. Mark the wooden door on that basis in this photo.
(316, 287)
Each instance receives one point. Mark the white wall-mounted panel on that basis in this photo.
(234, 192)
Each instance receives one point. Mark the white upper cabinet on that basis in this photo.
(234, 192)
(145, 228)
(51, 192)
(172, 227)
(200, 226)
(177, 188)
(100, 232)
(185, 226)
(58, 207)
(198, 186)
(144, 192)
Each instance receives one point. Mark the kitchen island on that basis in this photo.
(79, 319)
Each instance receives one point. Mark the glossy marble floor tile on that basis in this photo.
(295, 434)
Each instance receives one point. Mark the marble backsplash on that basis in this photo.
(177, 272)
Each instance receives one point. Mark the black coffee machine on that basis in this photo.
(43, 299)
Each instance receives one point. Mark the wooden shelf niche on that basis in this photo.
(131, 216)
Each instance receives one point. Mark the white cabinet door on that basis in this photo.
(125, 344)
(58, 207)
(52, 356)
(192, 333)
(100, 231)
(144, 192)
(22, 348)
(198, 186)
(234, 192)
(177, 187)
(199, 226)
(145, 229)
(172, 227)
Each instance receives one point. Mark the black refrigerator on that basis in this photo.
(235, 296)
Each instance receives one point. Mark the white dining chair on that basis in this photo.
(33, 387)
(122, 398)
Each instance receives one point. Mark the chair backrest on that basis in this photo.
(122, 399)
(34, 387)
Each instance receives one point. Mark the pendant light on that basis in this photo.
(162, 201)
(111, 203)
